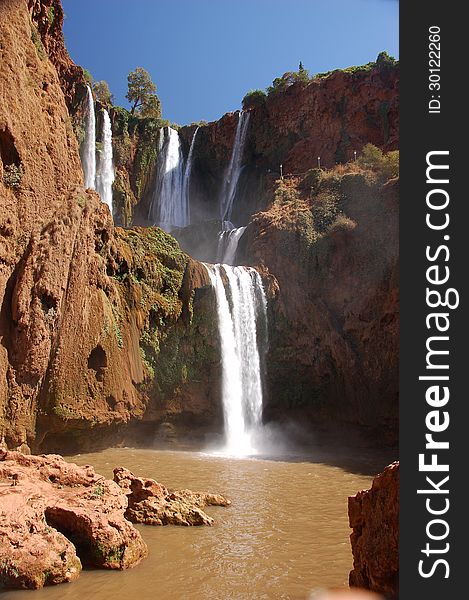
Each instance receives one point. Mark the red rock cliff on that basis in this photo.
(90, 315)
(374, 518)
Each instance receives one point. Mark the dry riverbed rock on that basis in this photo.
(53, 514)
(151, 503)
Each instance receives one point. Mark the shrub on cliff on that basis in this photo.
(12, 176)
(253, 98)
(385, 60)
(280, 84)
(374, 159)
(325, 210)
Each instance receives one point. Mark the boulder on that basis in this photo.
(151, 503)
(56, 515)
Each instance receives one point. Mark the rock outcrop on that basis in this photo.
(56, 516)
(151, 503)
(374, 518)
(47, 18)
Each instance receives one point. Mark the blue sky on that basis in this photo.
(204, 55)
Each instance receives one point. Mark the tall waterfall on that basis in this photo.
(239, 326)
(187, 177)
(169, 207)
(89, 145)
(105, 176)
(234, 168)
(228, 240)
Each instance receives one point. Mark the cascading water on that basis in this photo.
(234, 168)
(228, 240)
(105, 176)
(169, 208)
(239, 328)
(89, 145)
(187, 177)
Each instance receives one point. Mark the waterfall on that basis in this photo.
(89, 145)
(105, 177)
(234, 168)
(187, 178)
(228, 240)
(169, 208)
(239, 326)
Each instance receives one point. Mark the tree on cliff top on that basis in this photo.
(103, 93)
(141, 94)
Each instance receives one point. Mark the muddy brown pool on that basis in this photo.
(285, 534)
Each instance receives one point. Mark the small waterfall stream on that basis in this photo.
(187, 177)
(242, 312)
(230, 184)
(89, 145)
(105, 176)
(169, 207)
(228, 240)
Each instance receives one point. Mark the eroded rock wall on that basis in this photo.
(333, 250)
(99, 327)
(374, 518)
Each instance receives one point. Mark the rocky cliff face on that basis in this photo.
(102, 328)
(99, 327)
(331, 242)
(374, 518)
(330, 117)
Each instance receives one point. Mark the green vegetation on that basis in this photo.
(12, 176)
(88, 77)
(384, 164)
(51, 15)
(102, 93)
(151, 108)
(253, 98)
(383, 61)
(36, 39)
(98, 490)
(142, 94)
(280, 84)
(105, 554)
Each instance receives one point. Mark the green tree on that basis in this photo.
(151, 107)
(103, 93)
(253, 98)
(141, 90)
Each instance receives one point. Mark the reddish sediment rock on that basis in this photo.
(151, 503)
(54, 513)
(374, 518)
(76, 294)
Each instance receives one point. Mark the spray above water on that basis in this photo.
(89, 144)
(240, 324)
(230, 184)
(105, 177)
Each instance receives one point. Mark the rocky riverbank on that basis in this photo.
(57, 517)
(374, 518)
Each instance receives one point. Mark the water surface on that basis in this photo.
(285, 534)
